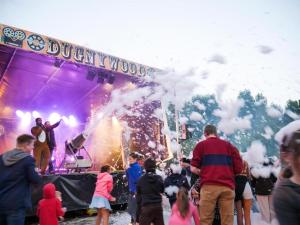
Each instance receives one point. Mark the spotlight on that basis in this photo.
(72, 121)
(115, 120)
(100, 80)
(35, 114)
(111, 79)
(102, 74)
(91, 75)
(19, 113)
(54, 117)
(58, 63)
(72, 149)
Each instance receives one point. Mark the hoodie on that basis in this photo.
(133, 173)
(49, 208)
(104, 185)
(11, 157)
(175, 180)
(286, 198)
(17, 172)
(149, 189)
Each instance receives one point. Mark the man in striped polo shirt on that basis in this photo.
(217, 162)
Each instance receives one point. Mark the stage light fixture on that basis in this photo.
(100, 80)
(90, 75)
(72, 149)
(72, 121)
(36, 114)
(111, 79)
(58, 63)
(54, 117)
(20, 113)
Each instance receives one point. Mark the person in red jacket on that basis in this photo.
(217, 162)
(49, 208)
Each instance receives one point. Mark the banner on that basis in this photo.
(29, 41)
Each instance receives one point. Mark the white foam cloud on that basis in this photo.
(268, 132)
(287, 131)
(199, 105)
(255, 153)
(217, 58)
(264, 49)
(273, 112)
(171, 190)
(196, 116)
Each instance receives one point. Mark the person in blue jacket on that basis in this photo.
(17, 172)
(133, 173)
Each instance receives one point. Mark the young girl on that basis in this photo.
(49, 208)
(102, 195)
(286, 197)
(183, 210)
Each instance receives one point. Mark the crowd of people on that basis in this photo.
(221, 182)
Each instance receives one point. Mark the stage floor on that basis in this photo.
(77, 189)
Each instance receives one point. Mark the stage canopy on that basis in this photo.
(43, 76)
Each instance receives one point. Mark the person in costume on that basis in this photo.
(41, 150)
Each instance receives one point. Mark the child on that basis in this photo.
(102, 194)
(183, 210)
(175, 181)
(133, 173)
(59, 197)
(150, 188)
(49, 208)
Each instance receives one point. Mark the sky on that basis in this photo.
(243, 44)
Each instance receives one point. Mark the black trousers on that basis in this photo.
(152, 214)
(50, 168)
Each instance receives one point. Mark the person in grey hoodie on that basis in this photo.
(17, 172)
(286, 197)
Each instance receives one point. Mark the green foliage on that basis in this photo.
(294, 106)
(256, 107)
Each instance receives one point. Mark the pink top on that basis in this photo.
(104, 185)
(176, 218)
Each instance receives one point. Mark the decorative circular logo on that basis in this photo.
(8, 32)
(35, 42)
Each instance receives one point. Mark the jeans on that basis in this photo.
(132, 207)
(13, 217)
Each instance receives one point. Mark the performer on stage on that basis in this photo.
(51, 140)
(41, 150)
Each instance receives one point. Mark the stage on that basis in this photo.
(43, 77)
(77, 189)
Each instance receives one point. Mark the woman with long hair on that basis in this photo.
(183, 210)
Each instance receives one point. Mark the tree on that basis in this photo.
(294, 106)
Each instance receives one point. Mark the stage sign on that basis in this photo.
(27, 40)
